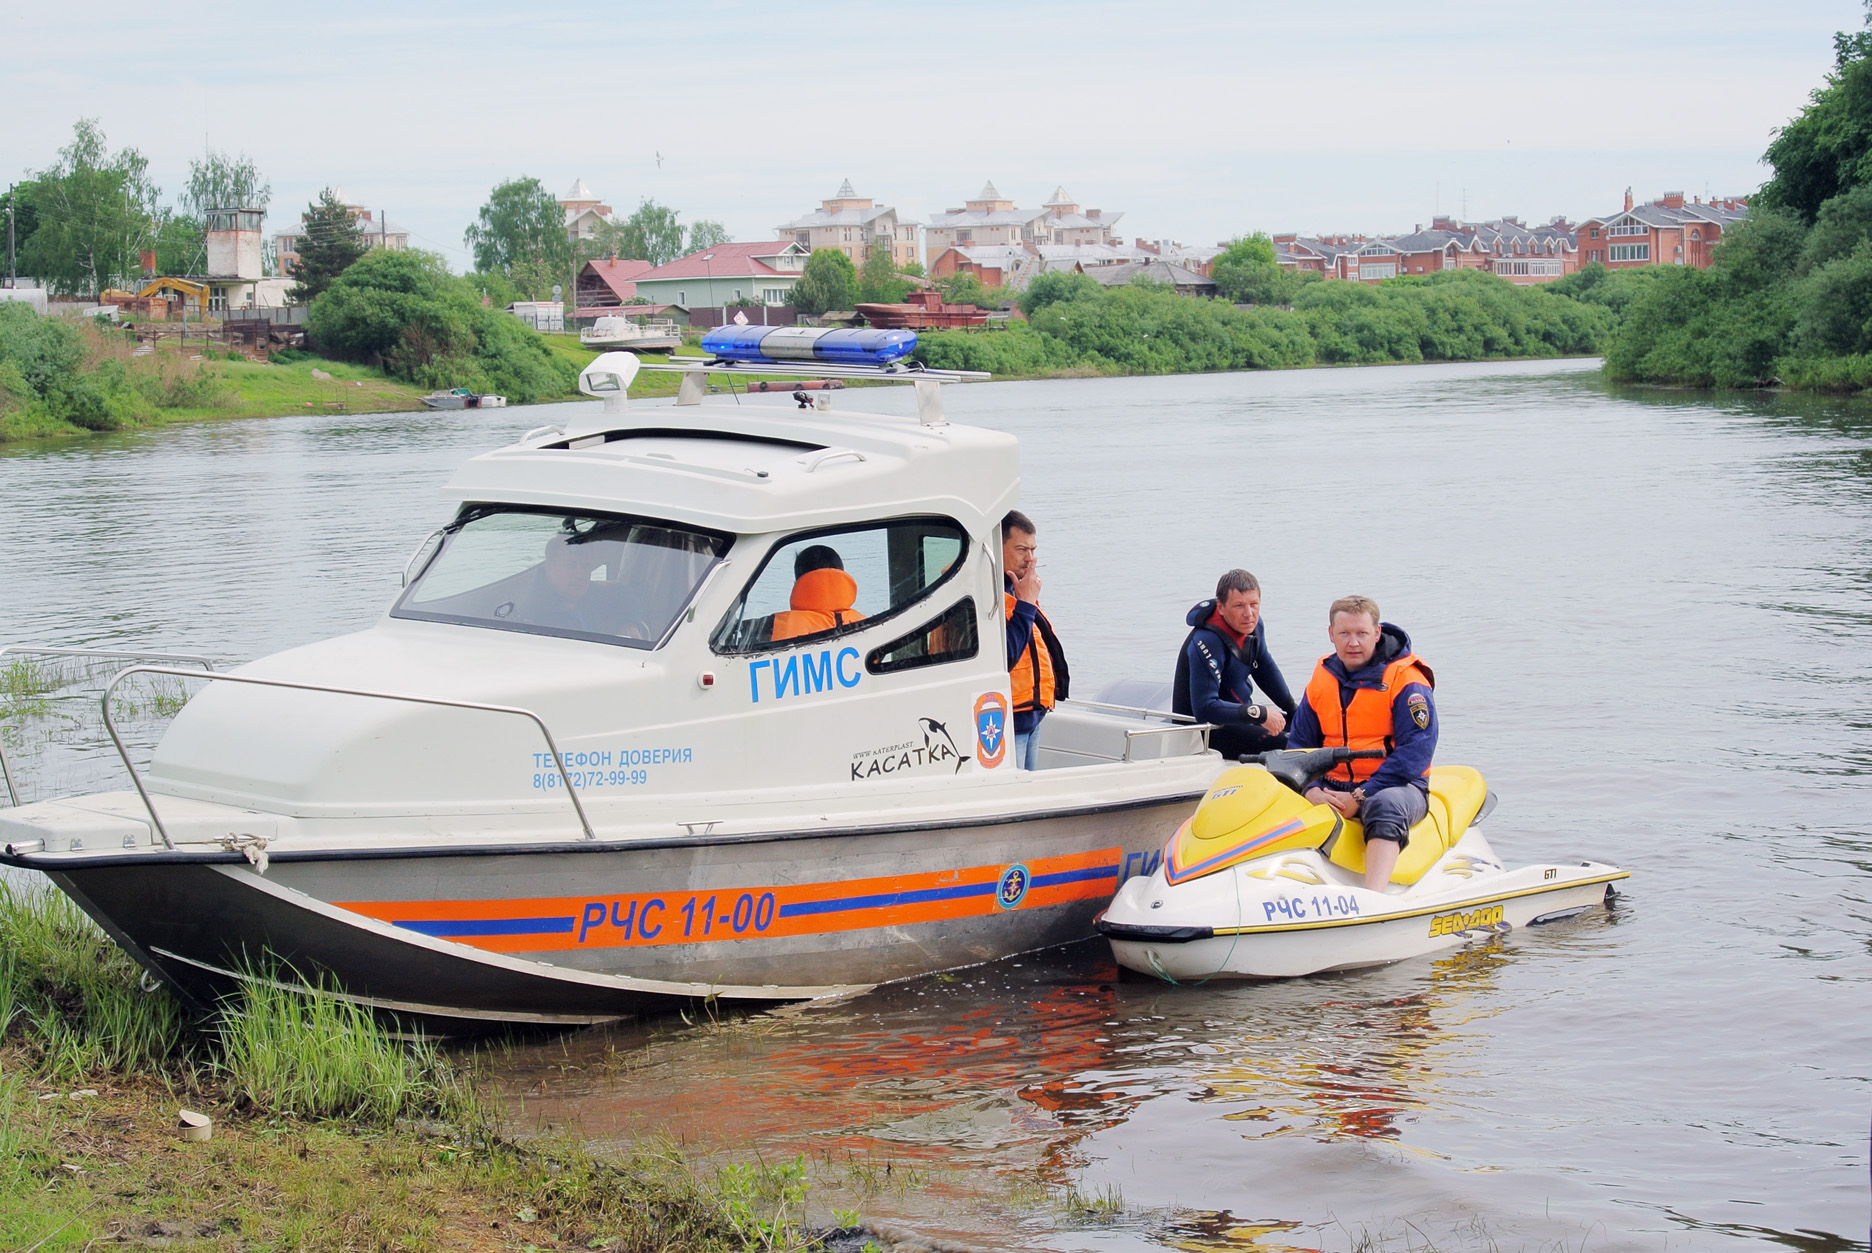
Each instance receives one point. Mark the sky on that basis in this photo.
(1197, 121)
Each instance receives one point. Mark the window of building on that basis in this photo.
(1629, 252)
(965, 237)
(951, 637)
(1594, 232)
(826, 583)
(773, 295)
(1371, 271)
(1629, 228)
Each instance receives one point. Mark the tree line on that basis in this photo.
(521, 248)
(1076, 324)
(1788, 296)
(82, 224)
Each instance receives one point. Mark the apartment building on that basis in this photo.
(1667, 231)
(853, 224)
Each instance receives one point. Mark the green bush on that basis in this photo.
(404, 312)
(397, 309)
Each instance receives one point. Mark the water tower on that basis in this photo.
(234, 244)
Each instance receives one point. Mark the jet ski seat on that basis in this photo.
(1457, 794)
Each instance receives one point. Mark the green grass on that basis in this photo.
(74, 1000)
(329, 1132)
(25, 682)
(316, 1056)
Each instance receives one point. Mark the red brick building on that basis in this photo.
(1668, 231)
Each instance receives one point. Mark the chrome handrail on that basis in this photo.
(149, 805)
(6, 771)
(1139, 710)
(1204, 727)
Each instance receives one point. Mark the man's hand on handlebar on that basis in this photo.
(1275, 722)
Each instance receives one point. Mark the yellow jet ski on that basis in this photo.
(1261, 883)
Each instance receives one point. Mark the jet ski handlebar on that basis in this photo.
(1299, 767)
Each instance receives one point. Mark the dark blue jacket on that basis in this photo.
(1412, 746)
(1215, 681)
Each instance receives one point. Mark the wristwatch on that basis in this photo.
(1358, 794)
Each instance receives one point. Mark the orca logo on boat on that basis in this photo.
(991, 729)
(1458, 922)
(1012, 889)
(938, 748)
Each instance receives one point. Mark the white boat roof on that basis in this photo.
(755, 468)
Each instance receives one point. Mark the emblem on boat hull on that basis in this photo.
(1012, 888)
(991, 729)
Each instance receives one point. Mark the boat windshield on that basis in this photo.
(590, 576)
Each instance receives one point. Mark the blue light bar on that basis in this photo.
(774, 344)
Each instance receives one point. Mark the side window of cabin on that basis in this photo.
(950, 637)
(825, 583)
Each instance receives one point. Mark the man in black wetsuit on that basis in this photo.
(1222, 660)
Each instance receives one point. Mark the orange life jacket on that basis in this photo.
(1364, 721)
(821, 600)
(1032, 675)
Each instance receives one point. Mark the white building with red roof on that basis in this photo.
(723, 274)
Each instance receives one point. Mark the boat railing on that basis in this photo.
(514, 710)
(1132, 734)
(1138, 711)
(98, 654)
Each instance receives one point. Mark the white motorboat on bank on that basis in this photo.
(1261, 883)
(620, 333)
(462, 398)
(598, 758)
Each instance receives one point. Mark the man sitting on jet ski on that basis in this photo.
(1371, 692)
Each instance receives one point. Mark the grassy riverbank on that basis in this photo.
(328, 1134)
(59, 378)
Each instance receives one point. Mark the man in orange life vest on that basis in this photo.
(1372, 691)
(1036, 662)
(822, 598)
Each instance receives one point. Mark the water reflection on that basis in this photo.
(989, 1085)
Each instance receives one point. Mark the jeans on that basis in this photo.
(1390, 813)
(1027, 749)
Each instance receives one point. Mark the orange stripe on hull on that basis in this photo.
(553, 924)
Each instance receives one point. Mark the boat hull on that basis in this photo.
(457, 940)
(649, 343)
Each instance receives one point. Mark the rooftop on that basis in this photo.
(727, 261)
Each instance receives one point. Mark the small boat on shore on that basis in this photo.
(597, 759)
(614, 333)
(922, 310)
(462, 398)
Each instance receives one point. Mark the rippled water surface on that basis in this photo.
(1648, 617)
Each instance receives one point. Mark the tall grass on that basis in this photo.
(73, 999)
(315, 1055)
(74, 1005)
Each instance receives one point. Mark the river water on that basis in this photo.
(1648, 615)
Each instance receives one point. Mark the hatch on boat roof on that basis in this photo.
(755, 468)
